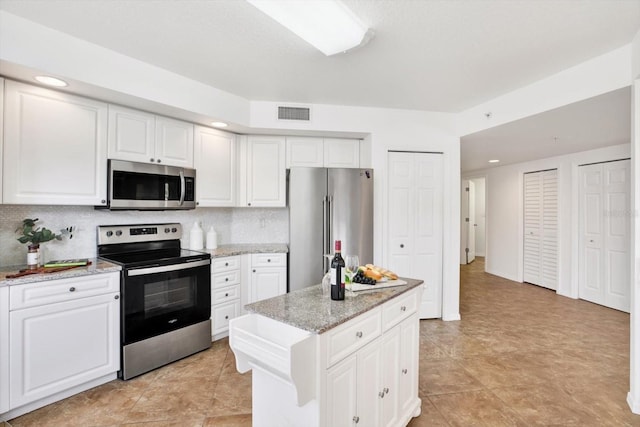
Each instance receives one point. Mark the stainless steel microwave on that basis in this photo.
(142, 186)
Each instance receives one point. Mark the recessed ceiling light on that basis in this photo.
(494, 161)
(219, 124)
(51, 81)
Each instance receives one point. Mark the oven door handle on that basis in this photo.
(166, 268)
(182, 188)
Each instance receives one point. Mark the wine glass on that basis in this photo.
(352, 263)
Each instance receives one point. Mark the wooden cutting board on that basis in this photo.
(389, 283)
(43, 270)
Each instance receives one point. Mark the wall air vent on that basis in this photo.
(294, 113)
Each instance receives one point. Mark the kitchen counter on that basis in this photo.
(247, 248)
(311, 311)
(97, 267)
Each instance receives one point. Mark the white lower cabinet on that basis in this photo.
(64, 335)
(268, 276)
(225, 294)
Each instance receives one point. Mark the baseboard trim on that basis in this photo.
(634, 404)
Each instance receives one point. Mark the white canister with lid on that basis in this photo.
(212, 238)
(196, 237)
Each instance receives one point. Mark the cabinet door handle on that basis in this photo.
(359, 334)
(159, 160)
(381, 394)
(404, 371)
(401, 245)
(248, 204)
(227, 294)
(386, 390)
(151, 160)
(254, 271)
(116, 297)
(268, 259)
(356, 419)
(226, 264)
(226, 317)
(226, 279)
(72, 289)
(403, 308)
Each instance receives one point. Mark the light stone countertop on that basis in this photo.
(97, 266)
(311, 311)
(246, 248)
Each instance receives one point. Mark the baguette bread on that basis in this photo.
(382, 272)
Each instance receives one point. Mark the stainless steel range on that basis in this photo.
(166, 295)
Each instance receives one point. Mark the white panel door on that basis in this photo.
(540, 250)
(415, 224)
(471, 222)
(604, 234)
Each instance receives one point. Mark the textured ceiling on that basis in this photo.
(427, 55)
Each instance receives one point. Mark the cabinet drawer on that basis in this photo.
(398, 309)
(222, 313)
(225, 294)
(52, 291)
(218, 265)
(225, 279)
(268, 260)
(351, 336)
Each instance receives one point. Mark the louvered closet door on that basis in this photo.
(541, 228)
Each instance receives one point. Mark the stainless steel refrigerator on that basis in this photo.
(326, 205)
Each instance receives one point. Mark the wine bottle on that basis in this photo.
(337, 274)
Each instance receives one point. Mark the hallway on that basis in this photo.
(522, 355)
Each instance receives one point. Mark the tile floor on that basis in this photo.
(521, 356)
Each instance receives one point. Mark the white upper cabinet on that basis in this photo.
(323, 152)
(55, 147)
(341, 153)
(174, 142)
(215, 161)
(305, 151)
(142, 137)
(264, 172)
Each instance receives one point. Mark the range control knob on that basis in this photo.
(109, 233)
(119, 233)
(167, 230)
(174, 230)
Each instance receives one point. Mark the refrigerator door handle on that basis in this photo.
(329, 224)
(325, 233)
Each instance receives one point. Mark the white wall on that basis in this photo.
(504, 188)
(633, 398)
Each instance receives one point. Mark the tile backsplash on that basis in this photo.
(233, 225)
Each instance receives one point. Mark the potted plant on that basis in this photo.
(34, 235)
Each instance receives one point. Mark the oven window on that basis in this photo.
(161, 302)
(168, 296)
(145, 186)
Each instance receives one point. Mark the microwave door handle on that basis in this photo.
(182, 188)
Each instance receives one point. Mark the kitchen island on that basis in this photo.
(318, 362)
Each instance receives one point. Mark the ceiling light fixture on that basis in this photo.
(328, 25)
(494, 161)
(219, 124)
(51, 81)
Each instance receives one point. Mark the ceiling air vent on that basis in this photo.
(294, 113)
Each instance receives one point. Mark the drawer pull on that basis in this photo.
(226, 317)
(268, 259)
(356, 419)
(116, 297)
(227, 294)
(403, 308)
(226, 279)
(404, 371)
(226, 264)
(386, 390)
(254, 270)
(72, 289)
(359, 334)
(381, 394)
